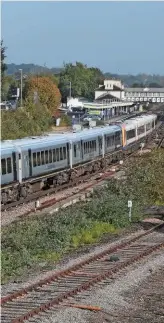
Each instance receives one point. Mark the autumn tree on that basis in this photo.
(44, 90)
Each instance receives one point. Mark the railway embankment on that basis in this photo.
(38, 243)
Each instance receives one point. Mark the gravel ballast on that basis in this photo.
(115, 297)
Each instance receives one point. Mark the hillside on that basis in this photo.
(31, 69)
(127, 79)
(144, 79)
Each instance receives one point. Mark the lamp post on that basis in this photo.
(70, 89)
(21, 83)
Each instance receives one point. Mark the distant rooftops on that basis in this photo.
(140, 89)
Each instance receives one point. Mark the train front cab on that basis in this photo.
(8, 166)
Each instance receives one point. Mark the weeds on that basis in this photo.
(27, 243)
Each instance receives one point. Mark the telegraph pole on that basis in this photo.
(21, 83)
(70, 89)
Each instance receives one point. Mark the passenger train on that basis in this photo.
(31, 164)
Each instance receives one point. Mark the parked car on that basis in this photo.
(91, 117)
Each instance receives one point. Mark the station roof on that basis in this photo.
(101, 106)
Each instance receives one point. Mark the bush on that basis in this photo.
(47, 238)
(65, 121)
(32, 120)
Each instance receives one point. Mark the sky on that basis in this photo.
(117, 37)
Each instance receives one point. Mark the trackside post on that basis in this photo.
(130, 210)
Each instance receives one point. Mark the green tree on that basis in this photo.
(138, 85)
(155, 85)
(83, 80)
(3, 68)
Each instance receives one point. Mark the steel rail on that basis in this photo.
(65, 272)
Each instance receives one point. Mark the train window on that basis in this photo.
(61, 153)
(50, 156)
(9, 168)
(46, 156)
(57, 154)
(89, 146)
(34, 159)
(131, 134)
(64, 152)
(84, 147)
(75, 151)
(54, 155)
(140, 130)
(3, 166)
(100, 143)
(117, 138)
(148, 126)
(42, 158)
(38, 158)
(109, 141)
(92, 146)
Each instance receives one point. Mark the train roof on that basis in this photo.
(56, 139)
(138, 121)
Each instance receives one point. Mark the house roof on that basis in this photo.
(106, 95)
(140, 89)
(115, 88)
(100, 88)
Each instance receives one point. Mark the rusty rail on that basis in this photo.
(89, 279)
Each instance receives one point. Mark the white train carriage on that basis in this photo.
(9, 160)
(137, 128)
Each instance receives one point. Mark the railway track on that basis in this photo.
(38, 298)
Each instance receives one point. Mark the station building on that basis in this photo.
(110, 98)
(155, 95)
(114, 90)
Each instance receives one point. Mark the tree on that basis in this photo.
(32, 120)
(138, 85)
(83, 80)
(47, 92)
(3, 67)
(155, 85)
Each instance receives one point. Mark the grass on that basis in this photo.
(36, 241)
(93, 234)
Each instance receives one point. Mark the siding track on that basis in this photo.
(44, 295)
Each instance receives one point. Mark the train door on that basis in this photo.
(100, 145)
(14, 160)
(76, 152)
(26, 164)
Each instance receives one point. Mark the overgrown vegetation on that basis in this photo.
(30, 121)
(45, 239)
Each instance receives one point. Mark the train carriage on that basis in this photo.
(28, 164)
(137, 128)
(9, 159)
